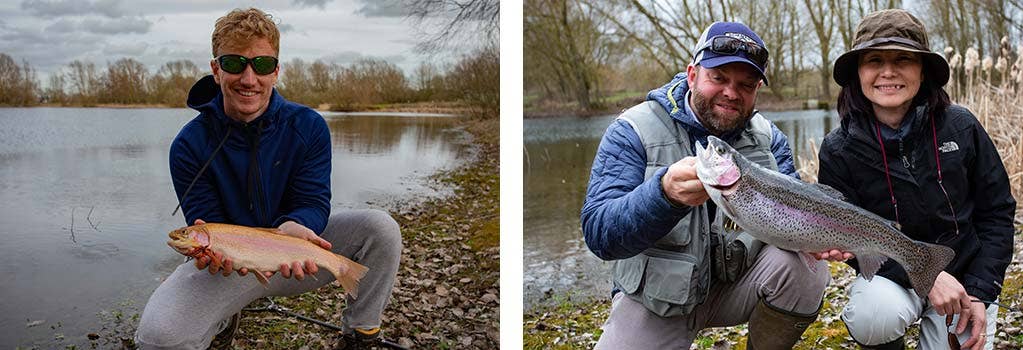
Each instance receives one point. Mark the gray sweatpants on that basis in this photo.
(879, 311)
(190, 307)
(778, 276)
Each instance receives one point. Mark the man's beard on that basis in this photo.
(714, 123)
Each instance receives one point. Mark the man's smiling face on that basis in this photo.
(723, 97)
(246, 94)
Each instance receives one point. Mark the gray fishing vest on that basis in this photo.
(674, 276)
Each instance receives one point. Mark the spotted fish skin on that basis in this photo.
(797, 216)
(262, 250)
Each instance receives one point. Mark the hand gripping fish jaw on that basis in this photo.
(189, 241)
(717, 167)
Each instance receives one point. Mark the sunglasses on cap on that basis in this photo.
(235, 64)
(726, 45)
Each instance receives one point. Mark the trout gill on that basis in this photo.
(801, 217)
(262, 250)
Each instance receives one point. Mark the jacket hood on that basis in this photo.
(205, 96)
(672, 97)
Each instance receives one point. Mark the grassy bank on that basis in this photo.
(570, 323)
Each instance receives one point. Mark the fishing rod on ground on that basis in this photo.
(997, 304)
(272, 306)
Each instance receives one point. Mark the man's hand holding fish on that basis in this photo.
(219, 263)
(681, 185)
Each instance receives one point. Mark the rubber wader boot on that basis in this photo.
(897, 344)
(771, 328)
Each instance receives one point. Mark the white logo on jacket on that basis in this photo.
(949, 146)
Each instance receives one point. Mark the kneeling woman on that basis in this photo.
(904, 152)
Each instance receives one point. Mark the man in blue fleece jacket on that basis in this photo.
(253, 158)
(677, 266)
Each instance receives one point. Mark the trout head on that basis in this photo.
(190, 241)
(716, 168)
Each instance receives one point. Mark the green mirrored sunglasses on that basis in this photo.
(235, 64)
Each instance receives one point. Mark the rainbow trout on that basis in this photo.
(262, 250)
(801, 217)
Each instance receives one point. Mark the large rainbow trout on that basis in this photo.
(793, 215)
(262, 250)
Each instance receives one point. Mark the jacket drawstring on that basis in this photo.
(253, 173)
(884, 158)
(203, 169)
(937, 160)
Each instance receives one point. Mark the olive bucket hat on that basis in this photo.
(893, 29)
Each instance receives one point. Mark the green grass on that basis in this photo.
(574, 323)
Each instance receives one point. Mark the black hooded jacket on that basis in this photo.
(972, 173)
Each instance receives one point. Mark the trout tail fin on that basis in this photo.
(925, 266)
(348, 273)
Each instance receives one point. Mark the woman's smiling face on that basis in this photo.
(890, 79)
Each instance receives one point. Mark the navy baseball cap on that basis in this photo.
(748, 48)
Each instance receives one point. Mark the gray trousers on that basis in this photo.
(778, 276)
(879, 311)
(192, 306)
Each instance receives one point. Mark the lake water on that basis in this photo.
(557, 160)
(86, 202)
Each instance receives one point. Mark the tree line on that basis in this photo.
(581, 52)
(367, 82)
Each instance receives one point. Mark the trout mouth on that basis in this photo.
(189, 242)
(722, 188)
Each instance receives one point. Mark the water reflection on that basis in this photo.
(86, 198)
(557, 159)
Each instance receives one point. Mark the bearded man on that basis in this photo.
(677, 269)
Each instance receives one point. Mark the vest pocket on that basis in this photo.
(668, 280)
(628, 273)
(671, 286)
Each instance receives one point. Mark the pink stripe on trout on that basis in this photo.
(262, 250)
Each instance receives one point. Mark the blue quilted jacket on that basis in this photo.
(622, 214)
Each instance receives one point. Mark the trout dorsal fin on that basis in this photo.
(830, 191)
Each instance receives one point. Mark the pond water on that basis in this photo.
(558, 155)
(86, 202)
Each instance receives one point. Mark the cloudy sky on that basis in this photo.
(49, 34)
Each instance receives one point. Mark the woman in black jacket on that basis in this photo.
(904, 152)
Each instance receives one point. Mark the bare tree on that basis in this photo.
(823, 20)
(172, 81)
(294, 81)
(18, 86)
(126, 82)
(443, 22)
(85, 82)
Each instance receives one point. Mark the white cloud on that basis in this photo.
(155, 32)
(123, 25)
(322, 4)
(56, 8)
(126, 49)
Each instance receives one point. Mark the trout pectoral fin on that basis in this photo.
(262, 278)
(869, 264)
